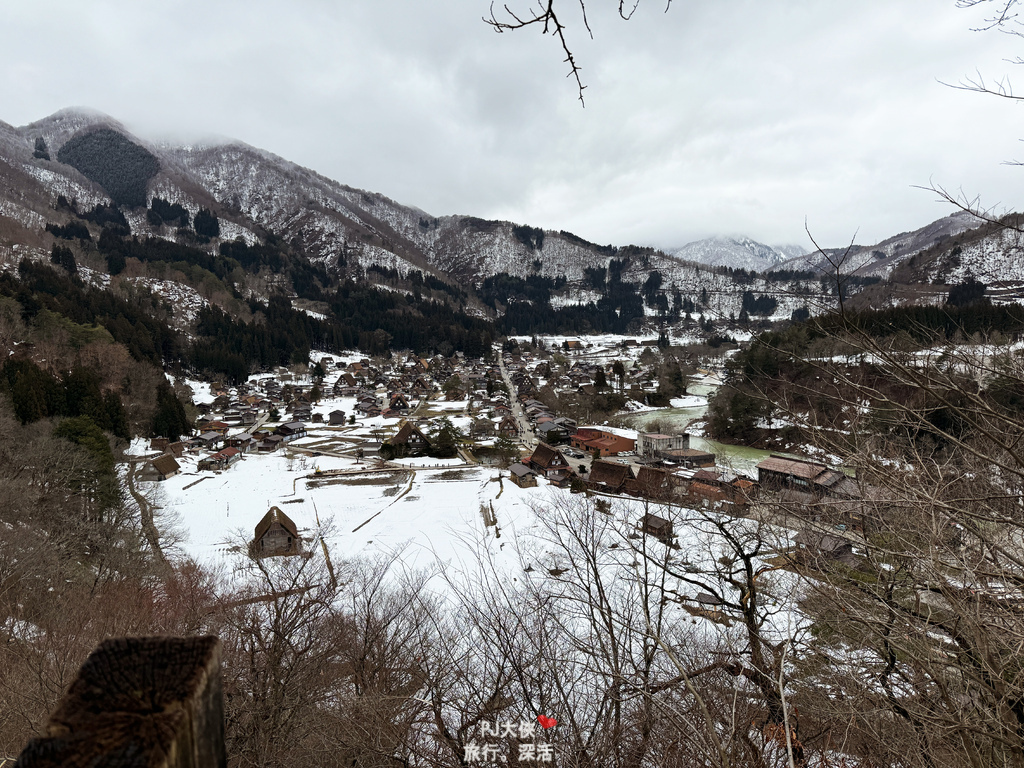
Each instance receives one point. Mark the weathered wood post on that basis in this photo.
(152, 702)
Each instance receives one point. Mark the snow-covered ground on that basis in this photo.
(185, 301)
(429, 511)
(428, 517)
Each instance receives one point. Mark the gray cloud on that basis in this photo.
(714, 118)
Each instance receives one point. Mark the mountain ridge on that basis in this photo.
(352, 232)
(737, 252)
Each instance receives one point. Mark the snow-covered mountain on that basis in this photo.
(881, 259)
(992, 254)
(348, 231)
(256, 194)
(738, 253)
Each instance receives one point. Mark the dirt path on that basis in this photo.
(146, 513)
(412, 479)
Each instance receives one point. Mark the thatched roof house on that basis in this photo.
(275, 535)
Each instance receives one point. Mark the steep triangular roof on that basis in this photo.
(543, 455)
(407, 430)
(609, 473)
(166, 464)
(275, 515)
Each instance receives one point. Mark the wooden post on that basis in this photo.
(144, 702)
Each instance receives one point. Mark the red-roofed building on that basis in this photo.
(606, 443)
(221, 459)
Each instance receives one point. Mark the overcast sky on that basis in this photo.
(730, 117)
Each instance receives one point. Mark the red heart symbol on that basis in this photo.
(546, 722)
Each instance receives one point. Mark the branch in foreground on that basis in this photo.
(546, 17)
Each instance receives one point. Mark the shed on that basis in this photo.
(522, 475)
(656, 526)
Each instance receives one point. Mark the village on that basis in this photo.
(350, 421)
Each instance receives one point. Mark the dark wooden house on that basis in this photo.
(608, 476)
(410, 438)
(659, 527)
(276, 535)
(293, 430)
(652, 483)
(550, 463)
(160, 468)
(509, 427)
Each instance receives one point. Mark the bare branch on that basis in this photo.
(548, 20)
(972, 206)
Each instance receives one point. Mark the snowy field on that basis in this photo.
(430, 512)
(429, 518)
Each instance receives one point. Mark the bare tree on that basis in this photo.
(605, 631)
(543, 15)
(928, 621)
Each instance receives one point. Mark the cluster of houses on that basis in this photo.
(655, 476)
(638, 378)
(804, 487)
(221, 450)
(661, 467)
(240, 411)
(664, 467)
(389, 388)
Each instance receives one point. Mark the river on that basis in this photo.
(674, 420)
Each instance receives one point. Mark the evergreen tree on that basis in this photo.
(506, 448)
(206, 224)
(63, 256)
(35, 394)
(169, 420)
(454, 384)
(82, 396)
(116, 415)
(968, 292)
(620, 372)
(83, 431)
(28, 400)
(116, 263)
(98, 481)
(41, 152)
(67, 260)
(445, 440)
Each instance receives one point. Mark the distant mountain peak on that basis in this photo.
(738, 252)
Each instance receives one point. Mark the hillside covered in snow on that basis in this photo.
(77, 164)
